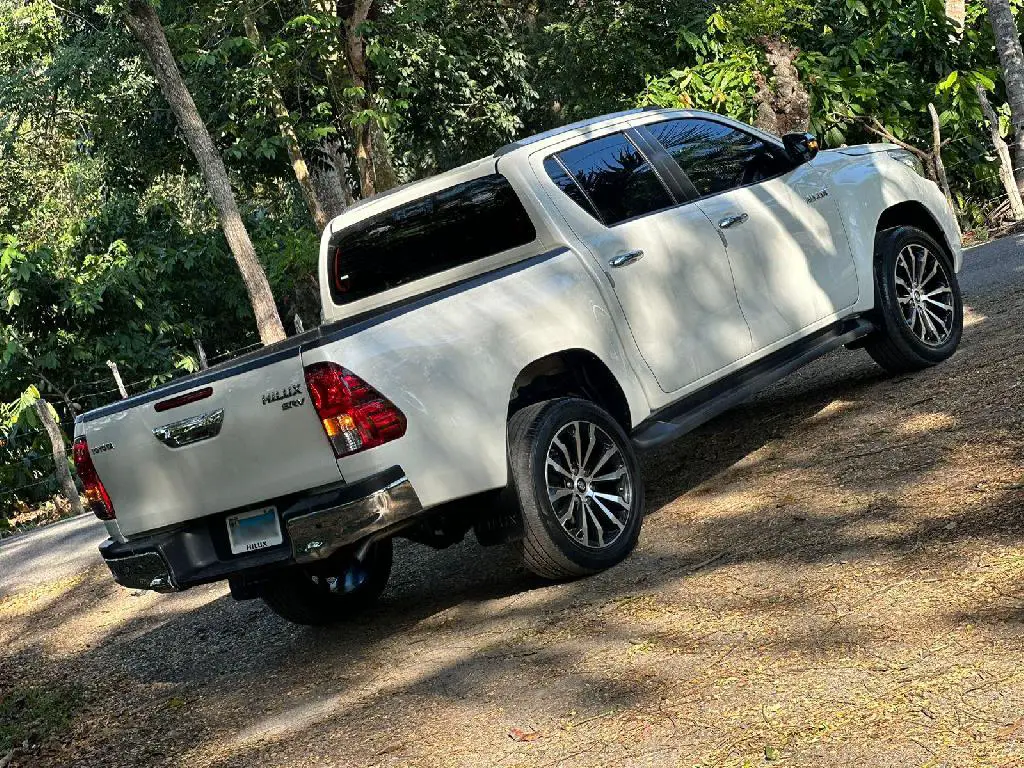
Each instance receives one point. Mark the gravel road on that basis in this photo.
(832, 574)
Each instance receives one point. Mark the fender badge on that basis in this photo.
(819, 195)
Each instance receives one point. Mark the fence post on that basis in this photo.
(117, 377)
(203, 365)
(60, 456)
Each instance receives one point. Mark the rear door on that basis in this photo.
(786, 241)
(249, 434)
(666, 262)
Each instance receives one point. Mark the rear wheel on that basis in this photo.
(920, 309)
(578, 483)
(332, 591)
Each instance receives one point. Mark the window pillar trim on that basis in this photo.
(679, 183)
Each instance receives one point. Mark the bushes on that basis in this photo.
(857, 59)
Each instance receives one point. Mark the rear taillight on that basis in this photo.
(95, 494)
(355, 415)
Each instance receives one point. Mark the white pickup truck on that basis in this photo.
(503, 339)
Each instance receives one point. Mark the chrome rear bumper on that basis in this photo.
(318, 535)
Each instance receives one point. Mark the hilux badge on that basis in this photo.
(281, 394)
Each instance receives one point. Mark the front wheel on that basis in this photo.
(578, 483)
(919, 307)
(330, 591)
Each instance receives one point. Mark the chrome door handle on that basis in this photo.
(625, 259)
(732, 221)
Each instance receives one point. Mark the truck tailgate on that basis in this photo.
(252, 437)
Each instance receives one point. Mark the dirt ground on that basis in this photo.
(830, 575)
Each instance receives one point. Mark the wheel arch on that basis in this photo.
(913, 213)
(571, 373)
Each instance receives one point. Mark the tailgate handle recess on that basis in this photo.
(189, 431)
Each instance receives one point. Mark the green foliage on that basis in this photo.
(859, 60)
(593, 57)
(456, 75)
(26, 460)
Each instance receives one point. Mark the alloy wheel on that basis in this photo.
(924, 294)
(589, 484)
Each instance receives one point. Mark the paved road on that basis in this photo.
(54, 552)
(989, 266)
(67, 548)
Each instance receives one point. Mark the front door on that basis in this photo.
(667, 263)
(787, 246)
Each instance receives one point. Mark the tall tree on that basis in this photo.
(1011, 57)
(372, 154)
(145, 26)
(284, 122)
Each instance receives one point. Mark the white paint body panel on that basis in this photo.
(262, 452)
(791, 259)
(689, 313)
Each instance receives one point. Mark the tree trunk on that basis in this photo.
(956, 11)
(60, 456)
(201, 352)
(144, 24)
(940, 168)
(1005, 162)
(284, 126)
(784, 106)
(1012, 59)
(372, 155)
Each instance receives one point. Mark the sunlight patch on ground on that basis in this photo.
(924, 423)
(833, 409)
(39, 598)
(972, 317)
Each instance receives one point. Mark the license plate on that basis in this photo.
(251, 531)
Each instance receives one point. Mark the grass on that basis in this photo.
(34, 714)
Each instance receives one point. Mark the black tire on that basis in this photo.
(294, 595)
(547, 548)
(896, 347)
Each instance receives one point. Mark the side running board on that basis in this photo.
(692, 411)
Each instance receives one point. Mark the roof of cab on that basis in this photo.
(580, 125)
(413, 189)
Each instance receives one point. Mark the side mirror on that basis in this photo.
(801, 147)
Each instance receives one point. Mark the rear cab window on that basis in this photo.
(450, 228)
(610, 179)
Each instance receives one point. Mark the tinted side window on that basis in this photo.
(615, 177)
(447, 229)
(568, 185)
(718, 157)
